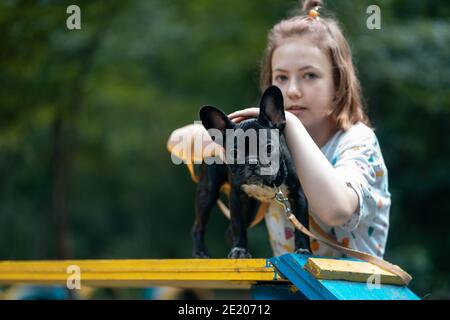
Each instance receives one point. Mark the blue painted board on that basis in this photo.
(276, 292)
(291, 265)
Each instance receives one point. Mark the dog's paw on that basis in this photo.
(239, 253)
(201, 255)
(303, 251)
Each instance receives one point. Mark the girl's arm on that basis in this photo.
(329, 197)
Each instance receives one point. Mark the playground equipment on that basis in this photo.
(290, 276)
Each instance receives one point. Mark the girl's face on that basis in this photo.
(304, 74)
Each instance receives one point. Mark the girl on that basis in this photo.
(336, 153)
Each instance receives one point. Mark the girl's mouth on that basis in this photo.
(296, 109)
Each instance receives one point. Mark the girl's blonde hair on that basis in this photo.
(326, 33)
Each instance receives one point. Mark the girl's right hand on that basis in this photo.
(181, 144)
(243, 114)
(183, 138)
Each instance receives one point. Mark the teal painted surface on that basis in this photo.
(291, 267)
(275, 292)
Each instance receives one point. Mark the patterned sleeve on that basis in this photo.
(360, 163)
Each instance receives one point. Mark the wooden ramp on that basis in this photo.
(182, 273)
(290, 276)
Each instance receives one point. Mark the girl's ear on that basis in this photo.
(271, 109)
(213, 118)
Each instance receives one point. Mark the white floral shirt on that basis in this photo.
(356, 155)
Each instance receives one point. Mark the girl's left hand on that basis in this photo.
(243, 114)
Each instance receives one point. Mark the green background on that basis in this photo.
(85, 116)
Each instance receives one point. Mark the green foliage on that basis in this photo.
(139, 69)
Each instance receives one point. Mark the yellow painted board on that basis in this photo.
(359, 271)
(187, 273)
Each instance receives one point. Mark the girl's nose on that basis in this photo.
(294, 91)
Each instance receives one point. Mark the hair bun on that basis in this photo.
(311, 4)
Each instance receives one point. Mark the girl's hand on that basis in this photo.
(243, 114)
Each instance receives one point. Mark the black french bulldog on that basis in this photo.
(247, 178)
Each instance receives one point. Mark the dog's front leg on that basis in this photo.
(206, 197)
(238, 210)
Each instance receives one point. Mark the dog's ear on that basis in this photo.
(271, 109)
(213, 118)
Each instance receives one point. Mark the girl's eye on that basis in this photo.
(310, 76)
(280, 78)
